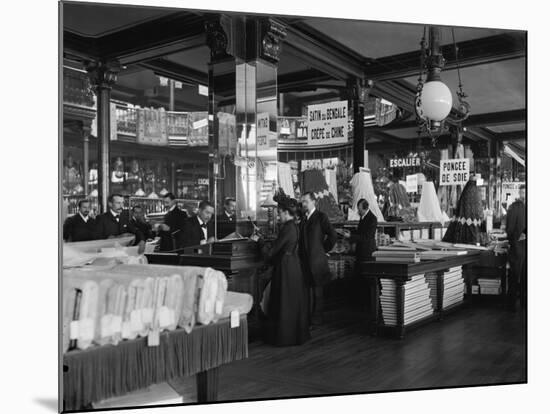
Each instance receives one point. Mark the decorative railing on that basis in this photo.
(76, 88)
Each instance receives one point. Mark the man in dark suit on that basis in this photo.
(143, 230)
(516, 230)
(317, 238)
(199, 229)
(81, 226)
(226, 221)
(365, 239)
(115, 222)
(171, 231)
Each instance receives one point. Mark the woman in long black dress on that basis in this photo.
(287, 309)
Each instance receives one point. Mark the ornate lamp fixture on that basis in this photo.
(434, 101)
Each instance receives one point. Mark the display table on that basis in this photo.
(108, 371)
(401, 273)
(242, 270)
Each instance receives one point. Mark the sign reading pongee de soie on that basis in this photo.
(327, 123)
(454, 172)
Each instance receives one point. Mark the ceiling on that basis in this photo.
(379, 39)
(318, 56)
(98, 20)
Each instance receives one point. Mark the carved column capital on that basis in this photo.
(103, 74)
(216, 39)
(272, 34)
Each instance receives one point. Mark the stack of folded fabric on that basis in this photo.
(417, 302)
(453, 287)
(431, 278)
(489, 286)
(396, 256)
(105, 306)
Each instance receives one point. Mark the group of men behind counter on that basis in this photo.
(177, 231)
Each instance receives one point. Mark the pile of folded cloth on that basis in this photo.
(417, 302)
(431, 278)
(453, 287)
(106, 306)
(489, 286)
(102, 253)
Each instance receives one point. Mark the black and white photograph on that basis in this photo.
(276, 207)
(254, 204)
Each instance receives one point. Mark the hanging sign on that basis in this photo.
(454, 172)
(327, 123)
(412, 183)
(405, 162)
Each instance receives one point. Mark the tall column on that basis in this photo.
(86, 155)
(243, 76)
(103, 75)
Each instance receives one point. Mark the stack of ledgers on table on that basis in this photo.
(416, 304)
(453, 287)
(105, 306)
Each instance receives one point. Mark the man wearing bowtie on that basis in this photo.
(115, 222)
(199, 229)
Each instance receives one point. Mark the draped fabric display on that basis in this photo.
(314, 181)
(284, 176)
(362, 187)
(465, 226)
(429, 208)
(330, 177)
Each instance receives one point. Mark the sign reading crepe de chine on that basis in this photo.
(327, 123)
(454, 172)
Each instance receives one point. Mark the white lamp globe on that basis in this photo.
(437, 100)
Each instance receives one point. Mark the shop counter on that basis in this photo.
(400, 273)
(109, 371)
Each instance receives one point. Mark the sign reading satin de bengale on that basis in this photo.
(454, 172)
(327, 123)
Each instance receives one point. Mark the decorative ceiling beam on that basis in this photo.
(175, 71)
(481, 120)
(511, 136)
(323, 53)
(165, 35)
(473, 52)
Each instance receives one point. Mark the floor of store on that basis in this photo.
(479, 344)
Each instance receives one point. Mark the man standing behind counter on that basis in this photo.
(227, 220)
(171, 231)
(317, 238)
(199, 229)
(365, 246)
(81, 226)
(115, 222)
